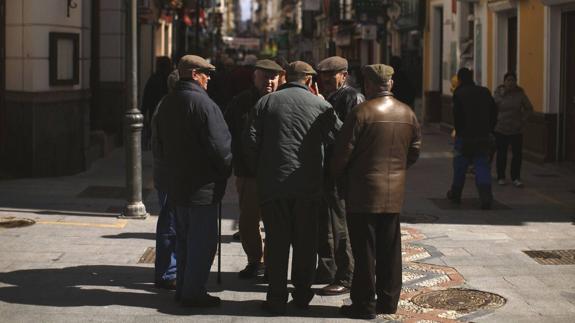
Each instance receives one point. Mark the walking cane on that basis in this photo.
(220, 244)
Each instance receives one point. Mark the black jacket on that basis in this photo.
(237, 114)
(285, 141)
(474, 116)
(192, 147)
(344, 99)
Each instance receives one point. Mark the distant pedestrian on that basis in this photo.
(285, 141)
(335, 260)
(403, 89)
(379, 140)
(474, 114)
(165, 264)
(514, 110)
(195, 144)
(154, 90)
(266, 77)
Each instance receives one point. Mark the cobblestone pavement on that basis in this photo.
(79, 262)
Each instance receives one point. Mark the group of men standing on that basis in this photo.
(323, 168)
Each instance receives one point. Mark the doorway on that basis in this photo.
(2, 75)
(568, 84)
(512, 44)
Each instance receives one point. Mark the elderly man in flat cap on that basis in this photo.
(194, 145)
(266, 78)
(335, 260)
(285, 141)
(379, 140)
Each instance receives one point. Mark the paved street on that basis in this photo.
(79, 262)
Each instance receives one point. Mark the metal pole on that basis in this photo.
(134, 208)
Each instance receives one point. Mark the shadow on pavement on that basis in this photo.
(132, 235)
(102, 285)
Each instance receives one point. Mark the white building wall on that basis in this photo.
(28, 24)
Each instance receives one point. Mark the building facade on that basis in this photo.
(62, 89)
(533, 38)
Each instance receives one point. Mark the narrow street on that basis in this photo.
(79, 262)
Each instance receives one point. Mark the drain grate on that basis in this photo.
(466, 204)
(149, 256)
(460, 300)
(108, 192)
(14, 222)
(553, 257)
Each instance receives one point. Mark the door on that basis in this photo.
(569, 83)
(511, 44)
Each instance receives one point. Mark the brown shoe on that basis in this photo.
(333, 289)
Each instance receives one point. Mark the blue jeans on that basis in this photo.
(165, 266)
(197, 233)
(482, 170)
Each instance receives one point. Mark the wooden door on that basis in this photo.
(569, 83)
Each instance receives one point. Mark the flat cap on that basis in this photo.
(268, 65)
(189, 62)
(300, 67)
(332, 64)
(378, 72)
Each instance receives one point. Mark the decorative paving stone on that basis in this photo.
(552, 257)
(459, 301)
(14, 222)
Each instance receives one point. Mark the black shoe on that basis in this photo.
(352, 312)
(382, 309)
(252, 270)
(333, 289)
(166, 284)
(236, 236)
(273, 309)
(203, 301)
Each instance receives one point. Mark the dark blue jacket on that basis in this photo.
(192, 147)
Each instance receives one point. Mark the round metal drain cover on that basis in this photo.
(14, 222)
(457, 299)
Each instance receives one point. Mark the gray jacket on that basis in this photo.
(514, 110)
(285, 141)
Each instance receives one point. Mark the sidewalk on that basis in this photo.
(80, 263)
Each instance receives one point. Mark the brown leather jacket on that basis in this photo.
(379, 140)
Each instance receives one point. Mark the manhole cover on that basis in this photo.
(14, 222)
(108, 192)
(457, 299)
(553, 257)
(417, 218)
(149, 256)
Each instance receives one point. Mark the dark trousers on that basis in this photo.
(335, 259)
(290, 222)
(503, 142)
(197, 233)
(461, 163)
(165, 264)
(376, 245)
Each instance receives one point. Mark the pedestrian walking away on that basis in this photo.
(514, 108)
(335, 260)
(288, 131)
(165, 263)
(195, 144)
(266, 77)
(379, 140)
(154, 90)
(474, 114)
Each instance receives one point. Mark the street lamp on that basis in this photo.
(134, 122)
